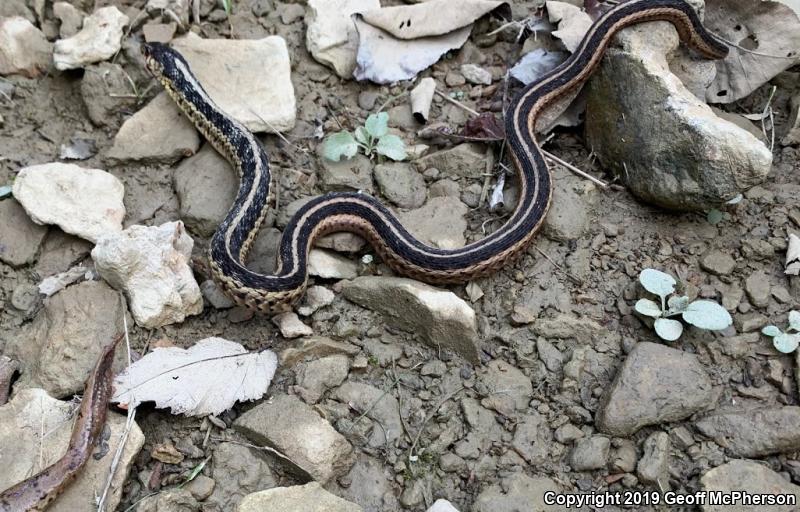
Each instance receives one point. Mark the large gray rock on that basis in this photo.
(317, 376)
(60, 347)
(151, 265)
(655, 384)
(250, 79)
(749, 477)
(84, 202)
(300, 498)
(35, 430)
(206, 186)
(754, 433)
(158, 133)
(99, 39)
(21, 237)
(297, 431)
(439, 316)
(517, 493)
(24, 49)
(667, 146)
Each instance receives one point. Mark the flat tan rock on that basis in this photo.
(249, 79)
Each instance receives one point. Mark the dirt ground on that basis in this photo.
(624, 236)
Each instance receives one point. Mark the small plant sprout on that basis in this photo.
(373, 138)
(704, 314)
(788, 341)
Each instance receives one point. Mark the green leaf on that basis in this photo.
(786, 343)
(5, 191)
(794, 320)
(362, 135)
(714, 216)
(226, 4)
(377, 124)
(771, 330)
(677, 304)
(338, 145)
(706, 314)
(657, 282)
(391, 146)
(648, 308)
(668, 329)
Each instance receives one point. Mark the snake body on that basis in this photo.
(36, 492)
(365, 215)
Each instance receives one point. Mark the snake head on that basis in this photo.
(162, 61)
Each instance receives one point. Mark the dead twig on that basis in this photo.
(549, 155)
(129, 422)
(448, 396)
(572, 278)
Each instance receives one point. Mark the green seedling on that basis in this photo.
(785, 341)
(704, 314)
(373, 139)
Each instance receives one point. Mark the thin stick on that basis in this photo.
(549, 155)
(572, 278)
(574, 169)
(101, 504)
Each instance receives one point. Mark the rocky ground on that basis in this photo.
(539, 377)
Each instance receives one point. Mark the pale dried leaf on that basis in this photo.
(207, 378)
(395, 43)
(573, 23)
(771, 33)
(433, 18)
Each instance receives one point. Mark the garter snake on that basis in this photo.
(365, 215)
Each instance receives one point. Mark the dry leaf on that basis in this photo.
(396, 43)
(433, 18)
(771, 33)
(573, 23)
(207, 378)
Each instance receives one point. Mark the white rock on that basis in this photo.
(158, 133)
(291, 326)
(476, 74)
(250, 79)
(327, 265)
(84, 202)
(441, 505)
(331, 37)
(24, 50)
(99, 39)
(70, 17)
(35, 430)
(151, 265)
